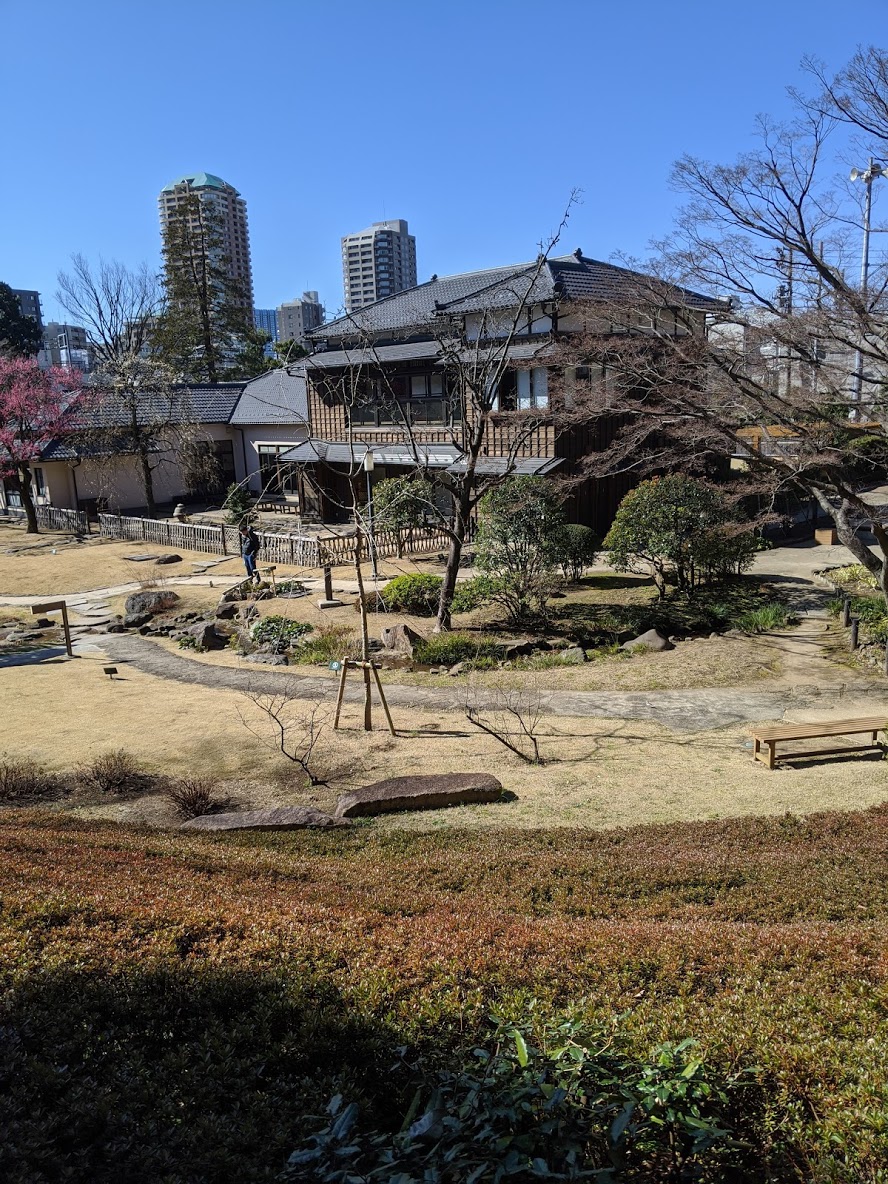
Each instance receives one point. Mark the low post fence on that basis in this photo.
(297, 550)
(54, 518)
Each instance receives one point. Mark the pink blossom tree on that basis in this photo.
(36, 406)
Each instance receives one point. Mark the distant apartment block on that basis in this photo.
(377, 262)
(29, 302)
(267, 319)
(65, 345)
(296, 318)
(231, 210)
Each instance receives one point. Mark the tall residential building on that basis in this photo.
(377, 262)
(267, 319)
(231, 209)
(29, 303)
(295, 318)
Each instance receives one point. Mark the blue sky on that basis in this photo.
(473, 120)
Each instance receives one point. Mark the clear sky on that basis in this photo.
(473, 119)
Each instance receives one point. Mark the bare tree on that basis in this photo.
(487, 430)
(511, 715)
(787, 375)
(292, 726)
(136, 409)
(116, 305)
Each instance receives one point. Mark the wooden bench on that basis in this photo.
(770, 737)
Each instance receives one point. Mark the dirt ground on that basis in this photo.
(56, 563)
(597, 773)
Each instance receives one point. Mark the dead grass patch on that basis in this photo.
(598, 773)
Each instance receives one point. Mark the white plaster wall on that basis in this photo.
(246, 449)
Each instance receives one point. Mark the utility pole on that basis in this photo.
(874, 169)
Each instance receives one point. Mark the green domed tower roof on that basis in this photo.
(198, 181)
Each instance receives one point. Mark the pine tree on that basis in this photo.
(206, 321)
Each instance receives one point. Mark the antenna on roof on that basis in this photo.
(434, 278)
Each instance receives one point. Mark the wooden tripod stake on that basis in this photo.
(366, 667)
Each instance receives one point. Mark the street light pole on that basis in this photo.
(868, 175)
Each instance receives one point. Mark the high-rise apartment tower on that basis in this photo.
(377, 262)
(297, 317)
(231, 211)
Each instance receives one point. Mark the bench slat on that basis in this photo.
(811, 731)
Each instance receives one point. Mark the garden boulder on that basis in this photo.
(277, 818)
(652, 640)
(401, 638)
(151, 602)
(206, 636)
(419, 792)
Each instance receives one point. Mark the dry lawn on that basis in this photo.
(598, 773)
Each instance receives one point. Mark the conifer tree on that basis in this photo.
(207, 319)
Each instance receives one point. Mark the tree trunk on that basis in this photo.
(365, 634)
(451, 571)
(24, 487)
(857, 547)
(147, 482)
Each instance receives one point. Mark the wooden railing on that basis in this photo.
(340, 548)
(54, 518)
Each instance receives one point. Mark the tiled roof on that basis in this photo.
(275, 397)
(104, 413)
(330, 359)
(572, 277)
(434, 456)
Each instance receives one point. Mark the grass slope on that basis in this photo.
(179, 1009)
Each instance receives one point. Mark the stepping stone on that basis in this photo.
(140, 558)
(420, 792)
(281, 818)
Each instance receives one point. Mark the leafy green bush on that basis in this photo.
(575, 547)
(415, 593)
(290, 588)
(280, 632)
(774, 615)
(681, 531)
(400, 503)
(238, 501)
(446, 649)
(516, 545)
(473, 593)
(190, 643)
(561, 1103)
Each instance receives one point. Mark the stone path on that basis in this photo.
(685, 711)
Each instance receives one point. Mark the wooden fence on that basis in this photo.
(294, 549)
(54, 519)
(298, 550)
(340, 548)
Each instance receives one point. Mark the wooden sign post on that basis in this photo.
(56, 606)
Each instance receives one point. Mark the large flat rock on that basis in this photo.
(420, 792)
(279, 818)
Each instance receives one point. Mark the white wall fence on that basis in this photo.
(54, 519)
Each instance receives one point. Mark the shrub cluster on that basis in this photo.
(446, 649)
(416, 593)
(279, 632)
(154, 986)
